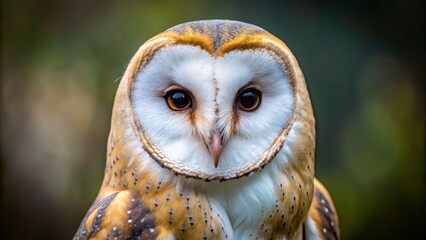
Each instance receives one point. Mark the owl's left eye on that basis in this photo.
(249, 99)
(178, 100)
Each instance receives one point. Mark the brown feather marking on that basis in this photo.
(323, 213)
(214, 33)
(326, 214)
(94, 218)
(119, 215)
(141, 220)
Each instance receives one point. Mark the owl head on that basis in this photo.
(215, 100)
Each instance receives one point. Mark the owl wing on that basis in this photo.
(322, 221)
(117, 215)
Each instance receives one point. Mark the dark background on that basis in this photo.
(364, 64)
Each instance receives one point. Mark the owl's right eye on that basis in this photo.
(178, 100)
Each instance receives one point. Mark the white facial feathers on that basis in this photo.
(214, 84)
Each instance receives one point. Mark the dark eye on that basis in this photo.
(178, 100)
(249, 99)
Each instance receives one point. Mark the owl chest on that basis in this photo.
(242, 214)
(269, 217)
(195, 217)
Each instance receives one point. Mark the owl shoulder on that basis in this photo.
(117, 215)
(322, 221)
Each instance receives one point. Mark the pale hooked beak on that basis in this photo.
(215, 146)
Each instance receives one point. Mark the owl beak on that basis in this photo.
(215, 147)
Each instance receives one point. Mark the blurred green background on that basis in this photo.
(364, 64)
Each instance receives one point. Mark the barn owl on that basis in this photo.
(212, 137)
